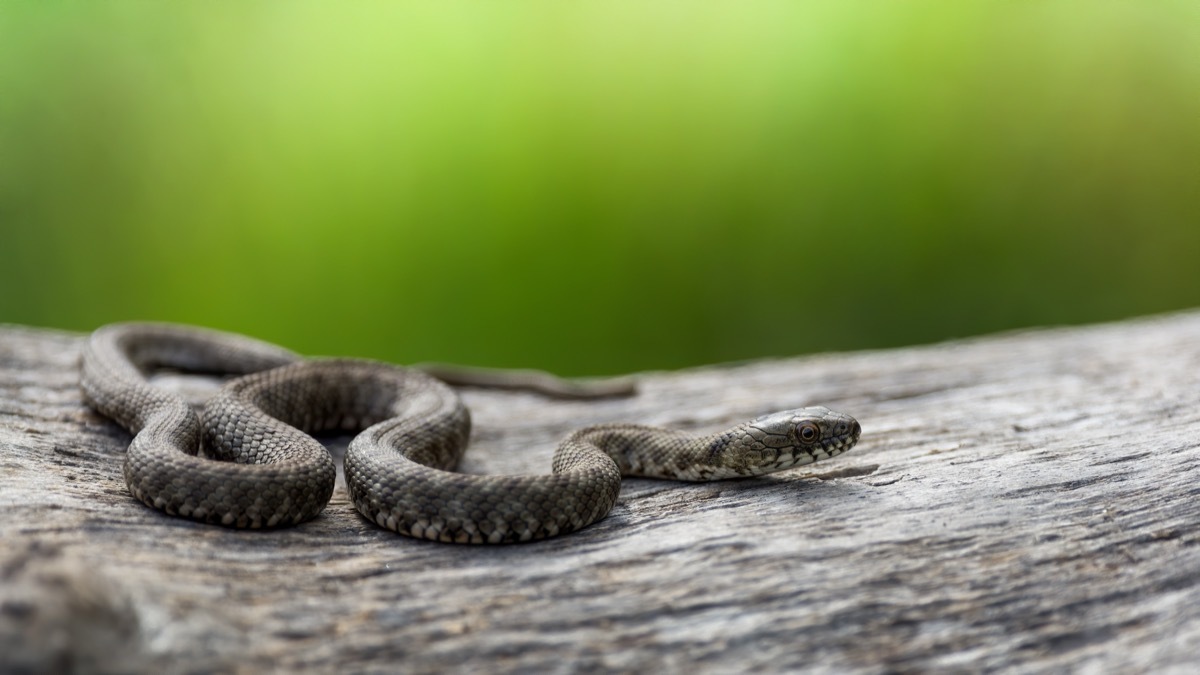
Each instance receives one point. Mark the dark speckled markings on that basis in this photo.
(163, 467)
(400, 468)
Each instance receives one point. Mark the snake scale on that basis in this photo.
(248, 461)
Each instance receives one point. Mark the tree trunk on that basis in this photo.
(1026, 500)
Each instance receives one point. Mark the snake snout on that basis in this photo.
(849, 430)
(842, 433)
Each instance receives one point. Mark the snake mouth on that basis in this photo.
(825, 449)
(836, 445)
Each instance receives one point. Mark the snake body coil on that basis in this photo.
(260, 468)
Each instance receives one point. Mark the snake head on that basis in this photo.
(789, 438)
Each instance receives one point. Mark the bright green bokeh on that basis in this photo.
(599, 186)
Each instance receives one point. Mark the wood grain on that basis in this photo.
(1024, 501)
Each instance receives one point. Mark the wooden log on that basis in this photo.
(1027, 501)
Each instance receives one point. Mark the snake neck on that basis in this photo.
(645, 451)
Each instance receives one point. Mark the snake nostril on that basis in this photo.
(855, 428)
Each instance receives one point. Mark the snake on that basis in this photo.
(249, 460)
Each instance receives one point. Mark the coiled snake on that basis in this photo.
(260, 468)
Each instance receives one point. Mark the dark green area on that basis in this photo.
(598, 187)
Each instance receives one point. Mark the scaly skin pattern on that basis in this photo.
(163, 467)
(424, 498)
(264, 470)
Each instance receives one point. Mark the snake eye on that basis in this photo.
(807, 432)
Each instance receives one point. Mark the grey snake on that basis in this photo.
(248, 461)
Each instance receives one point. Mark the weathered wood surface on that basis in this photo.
(1025, 501)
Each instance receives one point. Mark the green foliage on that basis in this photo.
(598, 186)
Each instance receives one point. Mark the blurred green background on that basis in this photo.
(598, 187)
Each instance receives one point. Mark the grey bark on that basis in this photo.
(1026, 501)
